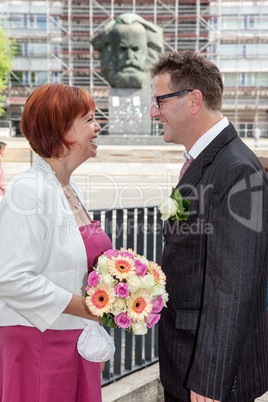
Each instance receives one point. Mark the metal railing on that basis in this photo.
(139, 229)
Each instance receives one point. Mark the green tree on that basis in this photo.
(7, 51)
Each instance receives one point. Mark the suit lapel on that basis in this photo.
(194, 173)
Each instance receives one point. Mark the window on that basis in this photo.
(56, 77)
(41, 21)
(33, 77)
(56, 50)
(26, 78)
(249, 21)
(229, 79)
(16, 20)
(41, 77)
(229, 50)
(250, 79)
(31, 21)
(19, 49)
(242, 79)
(39, 49)
(230, 22)
(17, 77)
(25, 49)
(33, 49)
(262, 80)
(245, 130)
(25, 19)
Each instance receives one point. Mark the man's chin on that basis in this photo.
(167, 138)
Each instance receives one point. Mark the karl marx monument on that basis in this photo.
(128, 46)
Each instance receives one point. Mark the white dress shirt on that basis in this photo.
(43, 257)
(206, 139)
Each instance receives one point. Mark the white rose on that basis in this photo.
(165, 298)
(143, 260)
(157, 290)
(134, 283)
(168, 207)
(108, 279)
(119, 307)
(102, 264)
(147, 282)
(139, 328)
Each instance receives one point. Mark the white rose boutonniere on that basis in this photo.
(174, 207)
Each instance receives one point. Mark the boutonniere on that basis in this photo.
(174, 207)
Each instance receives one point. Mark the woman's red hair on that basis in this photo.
(48, 115)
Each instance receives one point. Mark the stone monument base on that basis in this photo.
(129, 111)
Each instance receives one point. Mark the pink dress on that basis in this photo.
(45, 366)
(96, 242)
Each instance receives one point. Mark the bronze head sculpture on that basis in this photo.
(128, 47)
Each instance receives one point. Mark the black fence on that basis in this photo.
(141, 230)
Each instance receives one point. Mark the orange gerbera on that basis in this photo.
(139, 305)
(121, 267)
(100, 299)
(157, 272)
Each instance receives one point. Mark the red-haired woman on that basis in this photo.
(47, 244)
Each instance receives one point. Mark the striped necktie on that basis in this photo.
(185, 166)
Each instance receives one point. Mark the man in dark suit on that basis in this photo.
(213, 336)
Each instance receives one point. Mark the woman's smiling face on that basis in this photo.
(84, 133)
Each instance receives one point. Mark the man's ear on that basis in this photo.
(196, 99)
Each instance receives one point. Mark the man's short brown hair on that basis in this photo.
(190, 70)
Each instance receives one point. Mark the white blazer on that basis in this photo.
(42, 255)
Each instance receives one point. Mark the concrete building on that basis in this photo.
(53, 39)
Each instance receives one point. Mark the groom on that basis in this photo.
(213, 336)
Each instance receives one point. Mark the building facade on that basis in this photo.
(53, 45)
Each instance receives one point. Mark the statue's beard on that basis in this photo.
(128, 78)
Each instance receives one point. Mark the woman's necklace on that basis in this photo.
(77, 204)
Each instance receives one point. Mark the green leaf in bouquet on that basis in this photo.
(108, 321)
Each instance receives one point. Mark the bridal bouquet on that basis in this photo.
(126, 290)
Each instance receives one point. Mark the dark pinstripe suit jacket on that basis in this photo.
(213, 335)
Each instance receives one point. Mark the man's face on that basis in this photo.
(173, 112)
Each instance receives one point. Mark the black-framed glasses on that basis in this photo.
(157, 99)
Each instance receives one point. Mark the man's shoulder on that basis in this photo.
(230, 148)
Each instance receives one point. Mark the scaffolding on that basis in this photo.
(64, 30)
